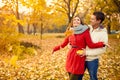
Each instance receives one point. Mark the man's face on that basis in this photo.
(94, 21)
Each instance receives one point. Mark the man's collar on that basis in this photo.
(97, 29)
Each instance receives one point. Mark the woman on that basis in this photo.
(78, 40)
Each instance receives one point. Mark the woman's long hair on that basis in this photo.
(70, 25)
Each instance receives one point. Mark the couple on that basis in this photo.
(83, 38)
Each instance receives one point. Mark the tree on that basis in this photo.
(38, 17)
(20, 27)
(111, 12)
(112, 15)
(117, 3)
(13, 5)
(68, 7)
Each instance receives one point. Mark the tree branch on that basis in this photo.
(61, 6)
(75, 8)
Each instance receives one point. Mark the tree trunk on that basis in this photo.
(109, 28)
(28, 29)
(71, 12)
(41, 31)
(34, 28)
(20, 27)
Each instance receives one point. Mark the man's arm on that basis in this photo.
(96, 51)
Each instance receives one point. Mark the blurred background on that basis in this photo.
(30, 28)
(44, 16)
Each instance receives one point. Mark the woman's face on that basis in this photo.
(76, 21)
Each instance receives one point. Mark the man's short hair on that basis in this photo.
(99, 16)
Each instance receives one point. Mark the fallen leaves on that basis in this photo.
(47, 66)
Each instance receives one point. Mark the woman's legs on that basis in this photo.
(75, 77)
(80, 77)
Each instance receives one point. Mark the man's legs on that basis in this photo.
(92, 67)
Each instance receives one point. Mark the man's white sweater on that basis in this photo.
(97, 35)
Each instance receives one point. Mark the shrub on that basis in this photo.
(8, 37)
(10, 43)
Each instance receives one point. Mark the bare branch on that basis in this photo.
(61, 11)
(117, 3)
(66, 1)
(68, 4)
(61, 6)
(75, 8)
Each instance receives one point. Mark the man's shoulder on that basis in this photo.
(104, 30)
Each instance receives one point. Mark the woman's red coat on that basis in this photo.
(75, 64)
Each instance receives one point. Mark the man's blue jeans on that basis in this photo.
(92, 67)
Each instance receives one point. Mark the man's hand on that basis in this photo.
(109, 46)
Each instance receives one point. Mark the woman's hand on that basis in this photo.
(55, 49)
(69, 46)
(81, 52)
(84, 53)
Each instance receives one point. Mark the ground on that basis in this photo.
(48, 66)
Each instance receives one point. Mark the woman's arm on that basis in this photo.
(65, 42)
(90, 43)
(97, 51)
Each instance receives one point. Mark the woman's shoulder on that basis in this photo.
(86, 31)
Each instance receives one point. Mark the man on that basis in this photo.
(98, 33)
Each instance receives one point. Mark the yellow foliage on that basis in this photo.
(31, 51)
(47, 66)
(6, 60)
(118, 36)
(22, 22)
(68, 32)
(80, 52)
(13, 60)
